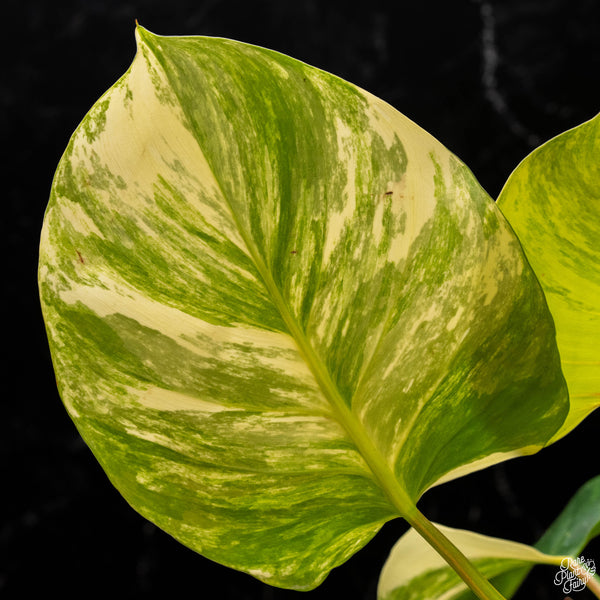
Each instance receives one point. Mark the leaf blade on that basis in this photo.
(195, 284)
(439, 176)
(552, 201)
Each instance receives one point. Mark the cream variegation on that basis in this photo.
(279, 310)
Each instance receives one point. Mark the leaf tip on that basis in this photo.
(138, 34)
(141, 33)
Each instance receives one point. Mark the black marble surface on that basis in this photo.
(491, 79)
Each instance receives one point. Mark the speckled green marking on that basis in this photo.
(279, 311)
(552, 201)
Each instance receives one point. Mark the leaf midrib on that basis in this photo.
(345, 417)
(342, 412)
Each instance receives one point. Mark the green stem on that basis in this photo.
(480, 586)
(592, 583)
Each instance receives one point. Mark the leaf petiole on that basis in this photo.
(591, 582)
(480, 586)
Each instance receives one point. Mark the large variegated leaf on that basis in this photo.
(552, 201)
(415, 570)
(278, 310)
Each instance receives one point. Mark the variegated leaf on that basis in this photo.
(414, 570)
(278, 310)
(552, 201)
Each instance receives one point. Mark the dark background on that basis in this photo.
(490, 79)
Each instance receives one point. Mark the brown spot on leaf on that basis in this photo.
(80, 257)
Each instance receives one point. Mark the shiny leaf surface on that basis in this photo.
(552, 201)
(279, 310)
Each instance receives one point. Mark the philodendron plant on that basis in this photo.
(279, 312)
